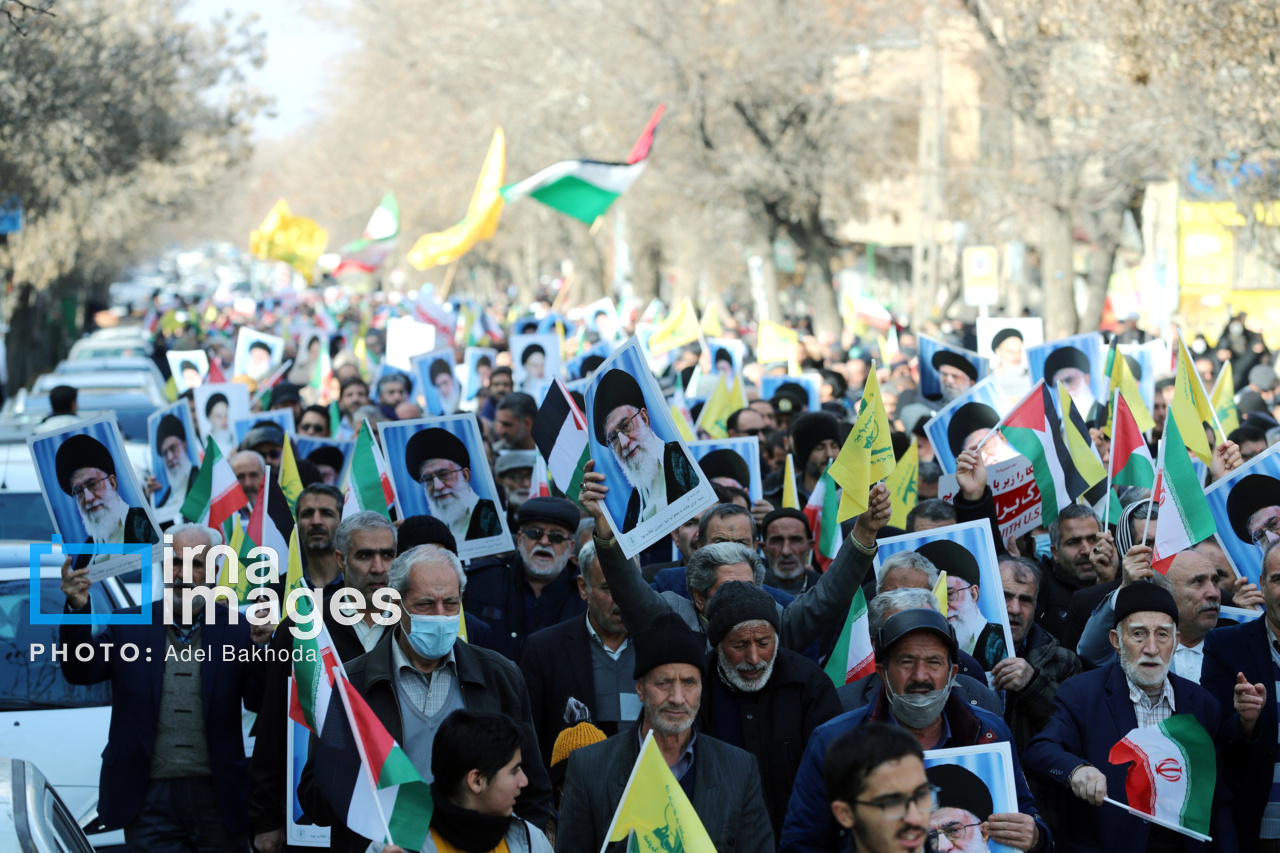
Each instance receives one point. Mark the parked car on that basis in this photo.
(132, 395)
(33, 818)
(122, 363)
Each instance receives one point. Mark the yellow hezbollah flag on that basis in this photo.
(1121, 379)
(296, 240)
(867, 455)
(904, 485)
(290, 480)
(1190, 408)
(682, 423)
(655, 807)
(1078, 444)
(724, 401)
(940, 592)
(711, 320)
(293, 578)
(775, 342)
(481, 221)
(790, 495)
(1224, 404)
(677, 330)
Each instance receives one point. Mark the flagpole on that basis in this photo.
(1001, 422)
(1161, 821)
(365, 766)
(448, 280)
(1111, 458)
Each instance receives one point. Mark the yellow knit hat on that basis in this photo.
(583, 734)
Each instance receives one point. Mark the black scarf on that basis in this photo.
(466, 829)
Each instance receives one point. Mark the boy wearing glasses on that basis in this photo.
(878, 789)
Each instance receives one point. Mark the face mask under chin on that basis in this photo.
(917, 710)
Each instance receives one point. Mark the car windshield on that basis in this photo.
(24, 517)
(27, 684)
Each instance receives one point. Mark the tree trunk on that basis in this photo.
(816, 252)
(1058, 274)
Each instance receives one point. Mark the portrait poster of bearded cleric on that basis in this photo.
(175, 458)
(975, 596)
(974, 783)
(440, 468)
(652, 477)
(93, 494)
(1246, 510)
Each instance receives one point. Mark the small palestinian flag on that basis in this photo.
(1033, 429)
(560, 432)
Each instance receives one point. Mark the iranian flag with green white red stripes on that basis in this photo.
(1185, 517)
(215, 494)
(369, 485)
(1173, 773)
(1033, 429)
(584, 189)
(853, 658)
(822, 511)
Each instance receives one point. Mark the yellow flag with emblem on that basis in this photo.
(711, 324)
(1190, 408)
(481, 221)
(790, 494)
(940, 592)
(867, 456)
(1223, 400)
(296, 240)
(680, 328)
(904, 485)
(1121, 378)
(724, 401)
(656, 809)
(775, 342)
(290, 479)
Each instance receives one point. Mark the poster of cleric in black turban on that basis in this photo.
(964, 422)
(330, 456)
(175, 458)
(534, 359)
(733, 462)
(440, 468)
(437, 377)
(655, 485)
(974, 783)
(975, 595)
(1246, 510)
(93, 494)
(188, 367)
(1077, 362)
(948, 372)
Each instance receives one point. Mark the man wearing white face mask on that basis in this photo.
(916, 659)
(419, 673)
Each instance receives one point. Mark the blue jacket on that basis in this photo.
(1248, 766)
(1092, 713)
(811, 828)
(135, 706)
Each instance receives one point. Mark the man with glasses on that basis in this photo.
(977, 636)
(964, 805)
(658, 472)
(536, 587)
(915, 654)
(879, 792)
(439, 460)
(745, 422)
(1254, 509)
(87, 473)
(314, 422)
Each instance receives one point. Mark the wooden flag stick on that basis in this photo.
(448, 281)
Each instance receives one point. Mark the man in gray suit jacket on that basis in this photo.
(722, 782)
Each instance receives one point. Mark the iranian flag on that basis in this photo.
(427, 310)
(383, 795)
(560, 432)
(369, 485)
(216, 494)
(1172, 773)
(853, 658)
(822, 510)
(376, 243)
(584, 189)
(215, 374)
(1185, 517)
(1032, 428)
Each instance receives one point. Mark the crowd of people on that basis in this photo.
(523, 685)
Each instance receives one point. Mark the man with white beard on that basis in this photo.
(86, 471)
(659, 473)
(535, 588)
(758, 696)
(976, 636)
(171, 447)
(956, 374)
(439, 460)
(442, 379)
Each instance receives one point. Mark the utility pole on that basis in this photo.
(930, 147)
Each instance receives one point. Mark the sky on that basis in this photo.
(298, 50)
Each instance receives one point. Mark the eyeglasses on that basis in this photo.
(953, 831)
(445, 476)
(627, 428)
(896, 808)
(535, 534)
(311, 428)
(94, 486)
(756, 432)
(954, 594)
(1265, 533)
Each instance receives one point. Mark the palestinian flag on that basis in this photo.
(1033, 429)
(368, 485)
(560, 432)
(271, 522)
(853, 657)
(584, 189)
(376, 243)
(1172, 773)
(821, 510)
(215, 495)
(1131, 462)
(1185, 517)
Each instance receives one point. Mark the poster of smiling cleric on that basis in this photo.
(437, 377)
(1077, 362)
(479, 362)
(188, 367)
(733, 462)
(654, 483)
(1246, 510)
(965, 421)
(534, 359)
(93, 494)
(785, 392)
(975, 596)
(330, 456)
(974, 783)
(257, 354)
(1004, 341)
(218, 405)
(727, 355)
(175, 458)
(948, 372)
(440, 468)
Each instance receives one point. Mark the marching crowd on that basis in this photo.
(523, 685)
